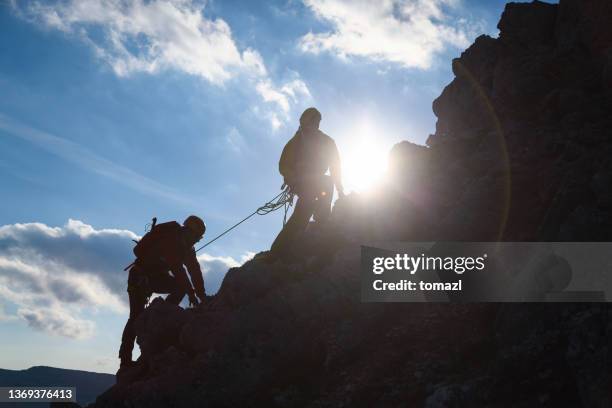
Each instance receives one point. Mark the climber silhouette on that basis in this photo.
(166, 247)
(304, 164)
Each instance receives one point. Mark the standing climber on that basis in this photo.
(166, 248)
(304, 163)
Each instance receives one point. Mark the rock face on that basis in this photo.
(521, 152)
(523, 130)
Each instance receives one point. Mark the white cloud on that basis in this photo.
(235, 141)
(283, 97)
(214, 269)
(407, 32)
(152, 36)
(275, 122)
(106, 363)
(54, 275)
(57, 322)
(58, 278)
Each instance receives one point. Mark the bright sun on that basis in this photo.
(364, 158)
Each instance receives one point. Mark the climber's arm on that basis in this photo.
(286, 165)
(195, 272)
(183, 281)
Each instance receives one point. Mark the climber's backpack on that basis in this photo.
(148, 249)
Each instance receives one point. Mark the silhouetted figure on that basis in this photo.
(166, 248)
(304, 163)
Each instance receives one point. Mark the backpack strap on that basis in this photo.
(153, 224)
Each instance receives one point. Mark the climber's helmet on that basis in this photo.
(310, 119)
(195, 228)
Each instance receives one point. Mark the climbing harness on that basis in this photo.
(283, 200)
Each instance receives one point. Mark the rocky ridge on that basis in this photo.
(520, 153)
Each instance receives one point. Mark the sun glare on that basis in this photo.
(364, 158)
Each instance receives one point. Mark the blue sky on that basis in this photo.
(114, 112)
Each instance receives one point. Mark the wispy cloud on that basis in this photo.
(152, 36)
(406, 32)
(235, 141)
(88, 160)
(57, 322)
(284, 97)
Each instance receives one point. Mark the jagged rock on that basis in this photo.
(159, 327)
(528, 24)
(520, 153)
(532, 108)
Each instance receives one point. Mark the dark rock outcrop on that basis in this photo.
(520, 153)
(523, 130)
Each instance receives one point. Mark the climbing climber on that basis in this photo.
(304, 163)
(165, 248)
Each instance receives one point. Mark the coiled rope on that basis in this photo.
(283, 200)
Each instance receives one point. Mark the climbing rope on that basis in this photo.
(283, 200)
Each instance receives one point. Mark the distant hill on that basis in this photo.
(89, 385)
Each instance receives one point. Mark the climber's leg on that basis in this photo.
(322, 209)
(296, 224)
(164, 283)
(137, 304)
